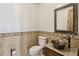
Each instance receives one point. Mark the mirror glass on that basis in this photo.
(65, 19)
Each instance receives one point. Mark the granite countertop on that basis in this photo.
(65, 52)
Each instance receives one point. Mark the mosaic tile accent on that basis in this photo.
(17, 33)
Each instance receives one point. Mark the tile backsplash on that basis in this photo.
(22, 41)
(52, 35)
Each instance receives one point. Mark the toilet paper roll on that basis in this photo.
(13, 52)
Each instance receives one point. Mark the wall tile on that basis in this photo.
(22, 41)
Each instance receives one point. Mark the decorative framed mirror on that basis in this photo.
(66, 19)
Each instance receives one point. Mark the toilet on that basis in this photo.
(37, 50)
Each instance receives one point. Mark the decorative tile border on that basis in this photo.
(17, 33)
(56, 34)
(38, 33)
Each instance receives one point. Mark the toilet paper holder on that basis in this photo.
(12, 50)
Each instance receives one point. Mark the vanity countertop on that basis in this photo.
(65, 52)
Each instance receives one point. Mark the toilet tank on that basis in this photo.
(42, 41)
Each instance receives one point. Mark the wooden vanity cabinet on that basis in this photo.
(49, 52)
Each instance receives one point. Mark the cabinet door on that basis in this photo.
(78, 52)
(49, 52)
(52, 53)
(45, 51)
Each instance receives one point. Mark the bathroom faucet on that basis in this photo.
(69, 40)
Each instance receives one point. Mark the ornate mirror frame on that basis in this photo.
(75, 19)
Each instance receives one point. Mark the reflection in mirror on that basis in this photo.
(66, 19)
(66, 22)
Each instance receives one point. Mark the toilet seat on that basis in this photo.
(35, 50)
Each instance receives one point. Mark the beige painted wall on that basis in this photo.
(46, 17)
(27, 17)
(16, 17)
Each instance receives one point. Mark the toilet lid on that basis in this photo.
(35, 48)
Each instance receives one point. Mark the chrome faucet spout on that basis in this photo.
(69, 41)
